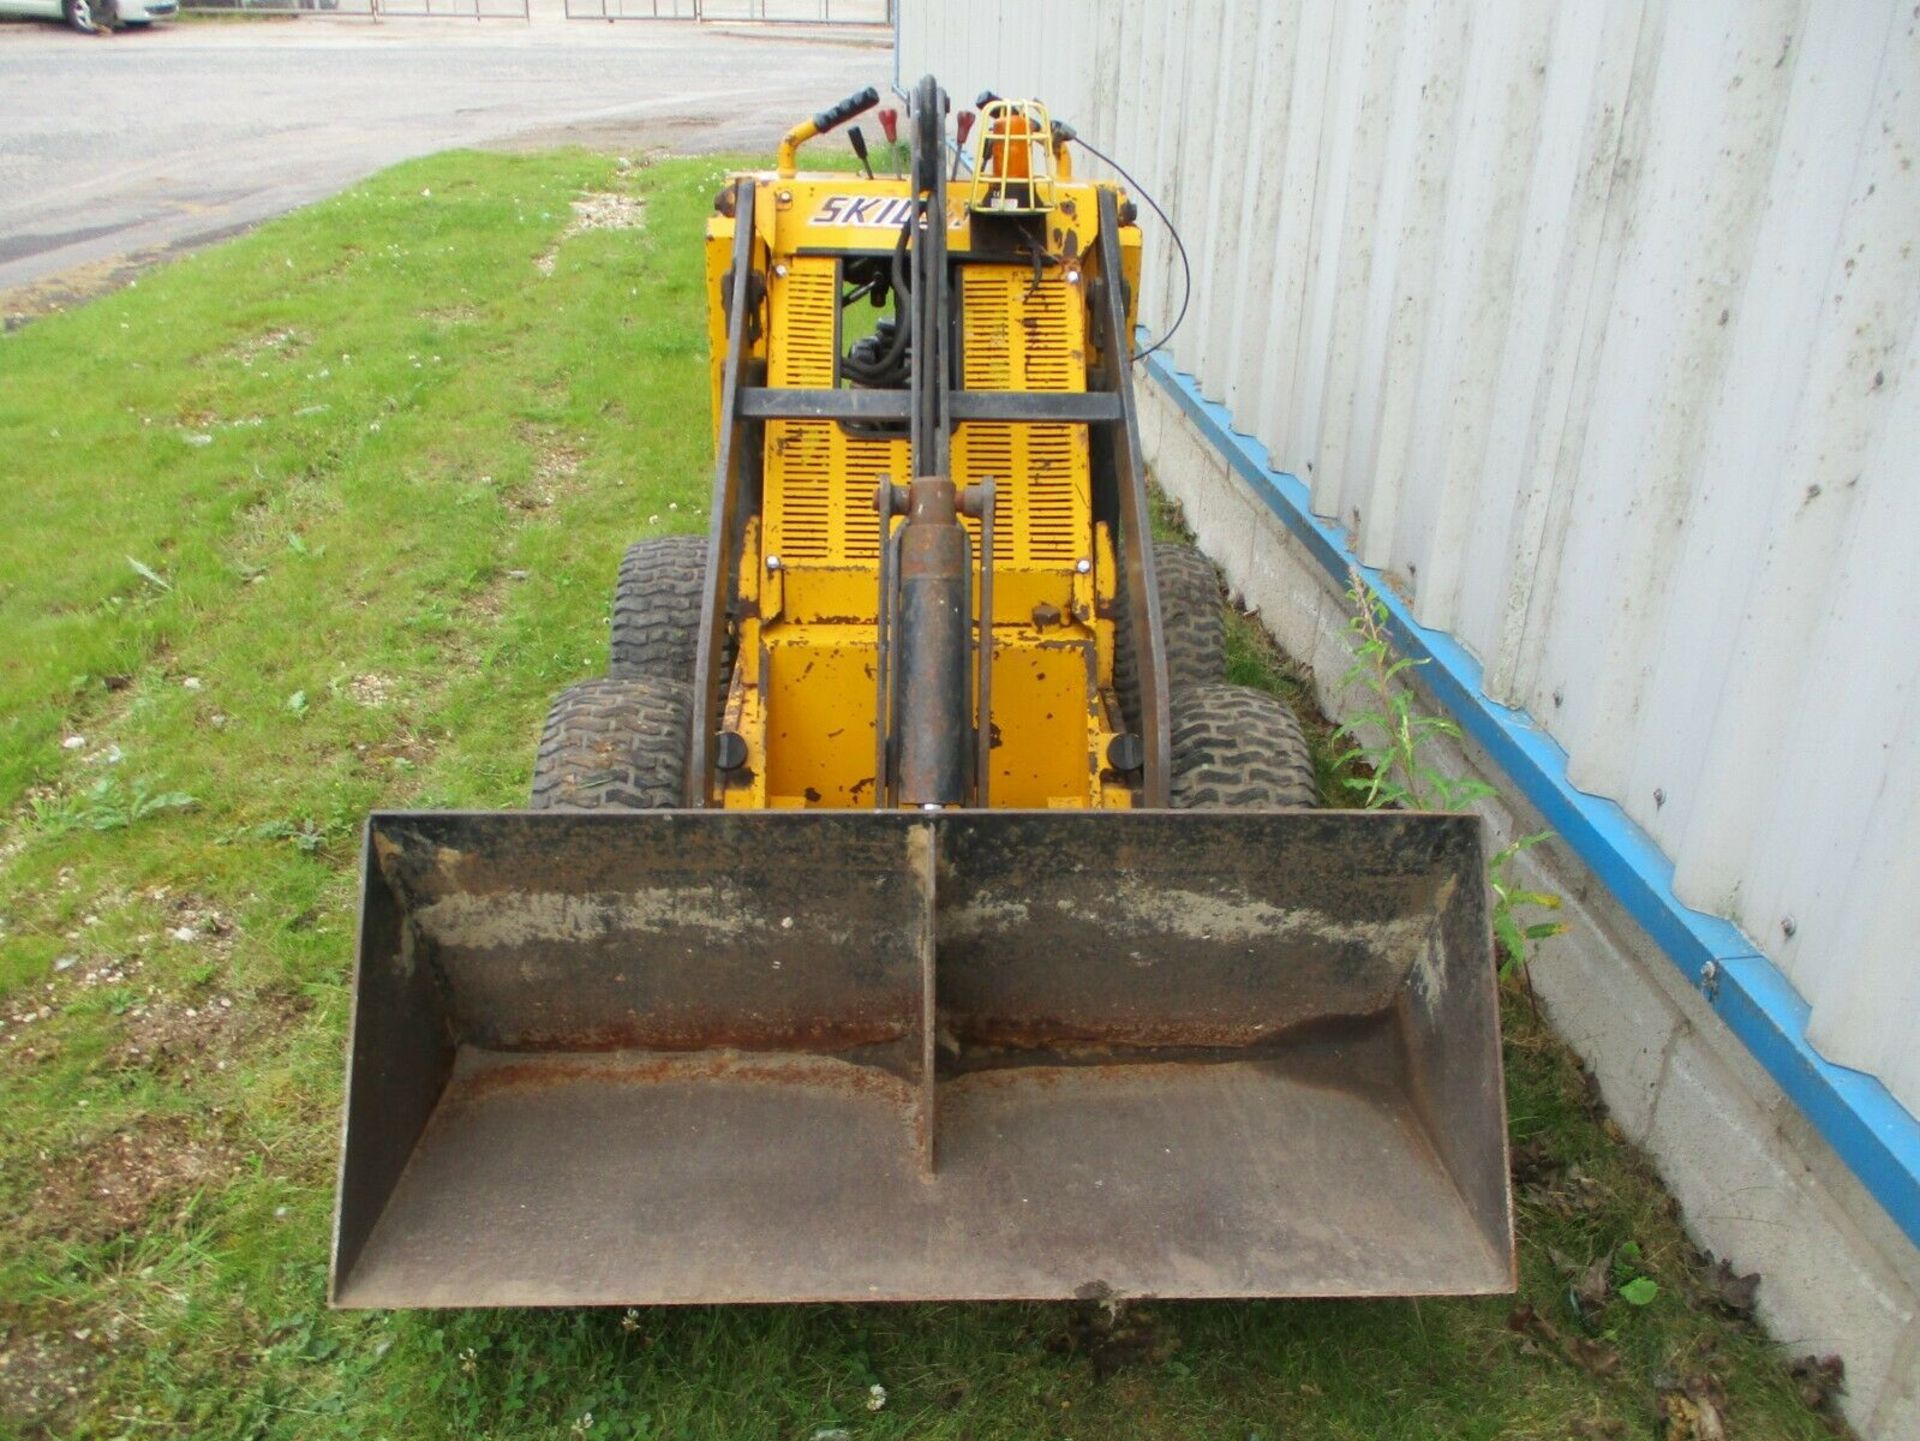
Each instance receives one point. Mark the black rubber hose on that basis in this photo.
(890, 368)
(1186, 267)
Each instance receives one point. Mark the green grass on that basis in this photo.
(317, 522)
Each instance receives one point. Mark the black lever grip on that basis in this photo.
(843, 112)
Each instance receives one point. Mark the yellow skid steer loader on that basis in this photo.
(914, 911)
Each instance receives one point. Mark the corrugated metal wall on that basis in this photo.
(1594, 322)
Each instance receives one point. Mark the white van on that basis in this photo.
(91, 15)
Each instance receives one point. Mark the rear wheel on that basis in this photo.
(1236, 748)
(1191, 623)
(615, 744)
(656, 608)
(80, 15)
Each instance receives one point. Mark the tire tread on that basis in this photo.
(1192, 624)
(617, 743)
(1237, 748)
(656, 608)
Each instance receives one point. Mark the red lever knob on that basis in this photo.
(890, 122)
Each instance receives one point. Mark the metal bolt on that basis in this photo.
(1788, 927)
(1073, 277)
(1083, 566)
(781, 270)
(773, 562)
(785, 197)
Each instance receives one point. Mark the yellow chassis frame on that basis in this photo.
(802, 694)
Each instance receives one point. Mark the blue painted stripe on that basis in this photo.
(1877, 1138)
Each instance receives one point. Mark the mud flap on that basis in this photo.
(617, 1059)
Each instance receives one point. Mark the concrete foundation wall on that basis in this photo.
(1758, 1186)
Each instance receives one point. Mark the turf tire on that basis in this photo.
(656, 609)
(1236, 748)
(614, 745)
(1191, 621)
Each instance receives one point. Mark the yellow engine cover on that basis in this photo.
(803, 690)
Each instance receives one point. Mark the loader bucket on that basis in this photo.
(617, 1059)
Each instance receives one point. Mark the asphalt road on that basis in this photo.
(116, 149)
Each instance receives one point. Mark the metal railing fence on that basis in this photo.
(369, 9)
(786, 12)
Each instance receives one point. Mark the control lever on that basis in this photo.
(859, 143)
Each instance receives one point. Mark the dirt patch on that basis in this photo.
(181, 1036)
(180, 1039)
(596, 210)
(556, 470)
(193, 922)
(371, 690)
(90, 975)
(69, 288)
(80, 283)
(24, 1035)
(117, 1182)
(43, 1376)
(176, 1035)
(277, 344)
(405, 751)
(1113, 1335)
(606, 210)
(488, 603)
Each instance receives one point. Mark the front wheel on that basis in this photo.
(79, 14)
(615, 745)
(1236, 748)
